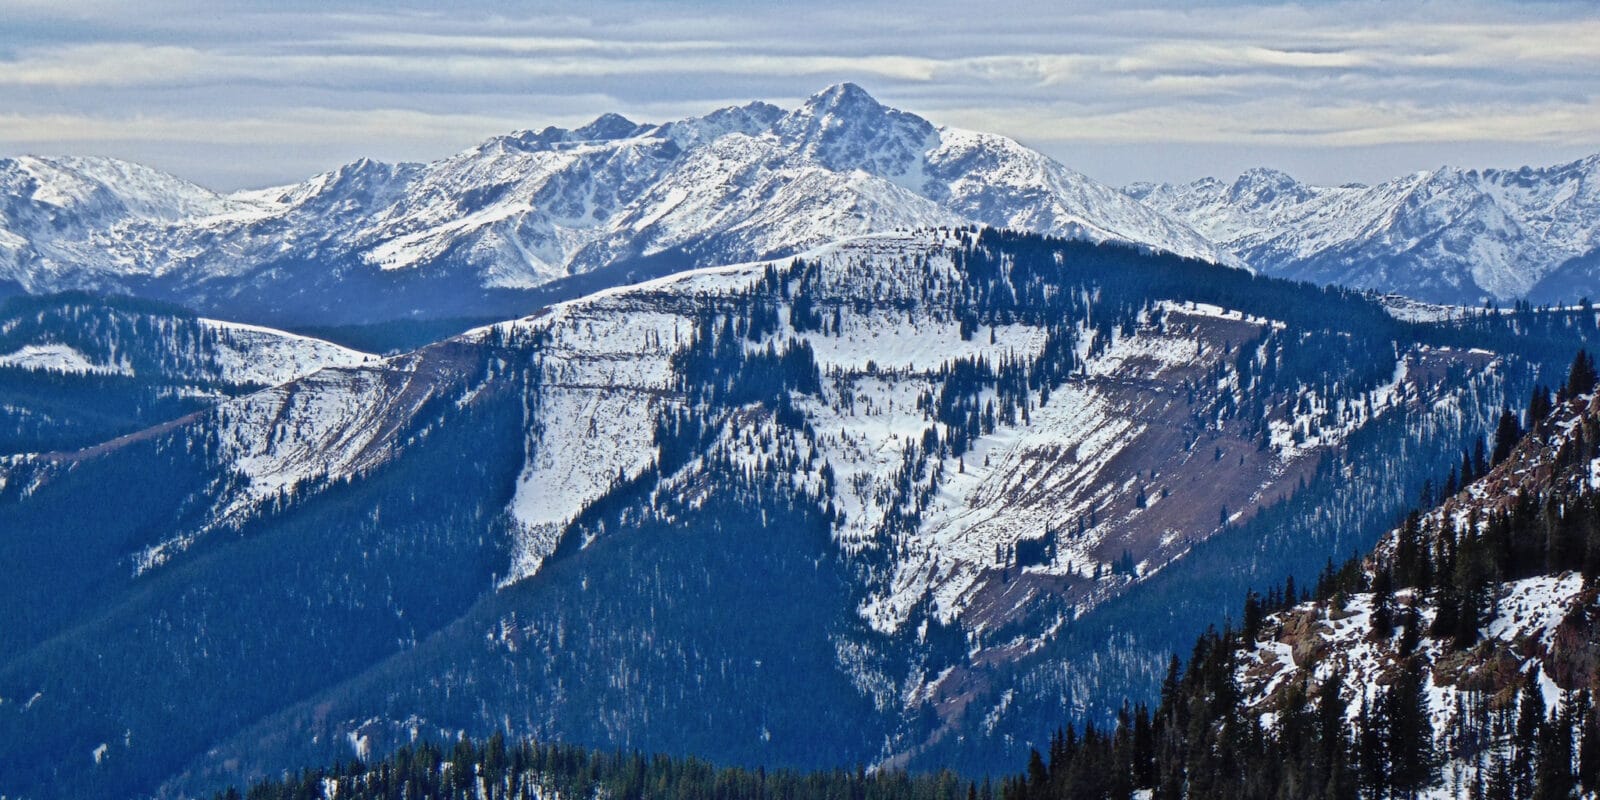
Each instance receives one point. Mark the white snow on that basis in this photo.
(253, 354)
(59, 358)
(1527, 613)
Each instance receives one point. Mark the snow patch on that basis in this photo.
(59, 358)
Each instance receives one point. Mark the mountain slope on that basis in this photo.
(1444, 235)
(77, 370)
(480, 232)
(1488, 598)
(1457, 660)
(916, 463)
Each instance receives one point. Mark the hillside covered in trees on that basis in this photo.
(912, 499)
(1458, 660)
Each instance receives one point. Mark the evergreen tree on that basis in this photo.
(1413, 760)
(1588, 742)
(1530, 718)
(1382, 605)
(1332, 767)
(1372, 750)
(1539, 406)
(1553, 778)
(1581, 376)
(1507, 433)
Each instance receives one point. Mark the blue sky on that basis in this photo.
(242, 95)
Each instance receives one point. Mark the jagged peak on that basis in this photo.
(361, 168)
(1530, 175)
(844, 105)
(1267, 175)
(540, 139)
(750, 119)
(607, 127)
(843, 127)
(844, 96)
(362, 175)
(766, 113)
(1142, 189)
(1262, 185)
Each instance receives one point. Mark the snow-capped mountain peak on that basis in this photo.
(749, 119)
(844, 128)
(607, 127)
(1262, 186)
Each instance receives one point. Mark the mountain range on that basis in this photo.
(532, 217)
(476, 233)
(1446, 235)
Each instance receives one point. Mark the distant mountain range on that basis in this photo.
(1446, 235)
(536, 216)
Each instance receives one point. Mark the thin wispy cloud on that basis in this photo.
(248, 94)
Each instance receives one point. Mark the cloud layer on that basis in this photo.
(246, 95)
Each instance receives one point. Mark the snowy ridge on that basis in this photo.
(606, 362)
(252, 354)
(80, 336)
(59, 358)
(607, 377)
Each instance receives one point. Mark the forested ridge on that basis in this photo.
(496, 769)
(768, 480)
(1429, 596)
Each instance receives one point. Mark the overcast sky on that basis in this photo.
(245, 95)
